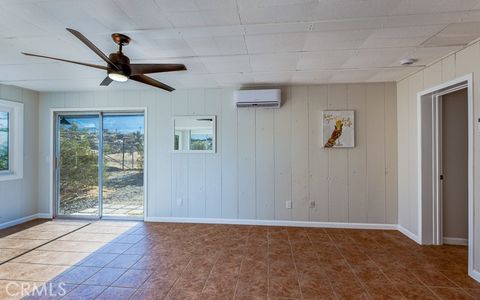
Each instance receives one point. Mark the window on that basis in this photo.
(11, 140)
(4, 144)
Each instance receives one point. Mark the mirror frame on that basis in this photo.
(214, 139)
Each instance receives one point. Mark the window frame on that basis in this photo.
(15, 140)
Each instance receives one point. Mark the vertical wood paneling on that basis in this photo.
(196, 161)
(338, 163)
(283, 166)
(300, 205)
(229, 156)
(161, 117)
(180, 169)
(391, 154)
(375, 126)
(403, 143)
(357, 157)
(246, 164)
(433, 75)
(448, 68)
(264, 164)
(415, 85)
(264, 157)
(213, 162)
(317, 156)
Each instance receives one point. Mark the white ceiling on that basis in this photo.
(233, 42)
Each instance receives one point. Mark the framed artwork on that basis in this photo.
(338, 129)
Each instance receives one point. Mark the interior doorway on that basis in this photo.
(445, 165)
(99, 165)
(454, 167)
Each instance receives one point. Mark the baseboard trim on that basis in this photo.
(455, 241)
(23, 220)
(273, 223)
(408, 233)
(475, 275)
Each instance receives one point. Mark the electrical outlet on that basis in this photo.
(312, 204)
(179, 201)
(288, 204)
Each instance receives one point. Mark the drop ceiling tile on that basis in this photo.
(423, 19)
(204, 18)
(272, 78)
(324, 59)
(145, 14)
(343, 9)
(276, 28)
(225, 45)
(274, 62)
(370, 58)
(428, 55)
(177, 6)
(211, 31)
(275, 43)
(108, 13)
(352, 76)
(348, 24)
(234, 79)
(401, 36)
(337, 40)
(410, 7)
(253, 11)
(455, 34)
(172, 48)
(71, 14)
(311, 77)
(227, 64)
(393, 74)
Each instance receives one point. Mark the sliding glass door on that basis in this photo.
(99, 165)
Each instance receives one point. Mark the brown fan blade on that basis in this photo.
(68, 61)
(152, 82)
(94, 48)
(106, 81)
(156, 68)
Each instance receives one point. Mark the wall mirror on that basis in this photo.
(194, 134)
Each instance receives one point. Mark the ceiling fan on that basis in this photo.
(118, 66)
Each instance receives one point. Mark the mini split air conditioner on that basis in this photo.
(258, 98)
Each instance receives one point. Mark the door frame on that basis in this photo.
(428, 140)
(53, 112)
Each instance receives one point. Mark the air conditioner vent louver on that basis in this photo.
(258, 98)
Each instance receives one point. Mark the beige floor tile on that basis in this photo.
(35, 235)
(13, 290)
(30, 272)
(104, 229)
(71, 246)
(6, 254)
(20, 244)
(52, 257)
(89, 237)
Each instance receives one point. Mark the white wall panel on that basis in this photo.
(375, 126)
(338, 163)
(264, 164)
(318, 159)
(246, 164)
(357, 157)
(264, 157)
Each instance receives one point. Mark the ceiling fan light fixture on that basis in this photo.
(116, 76)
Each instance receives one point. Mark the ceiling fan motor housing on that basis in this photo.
(122, 61)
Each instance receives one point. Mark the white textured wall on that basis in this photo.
(18, 198)
(265, 156)
(456, 65)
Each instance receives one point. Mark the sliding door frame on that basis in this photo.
(54, 126)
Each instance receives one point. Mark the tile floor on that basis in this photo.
(110, 260)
